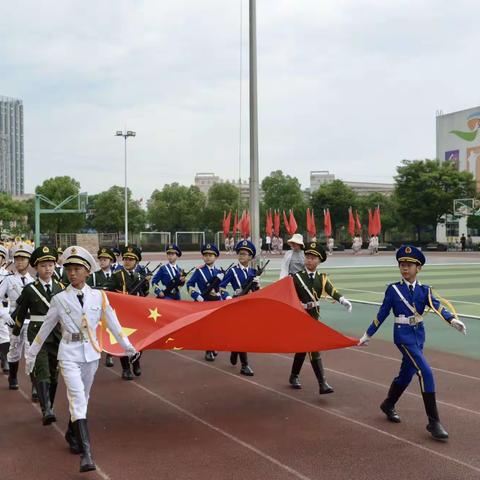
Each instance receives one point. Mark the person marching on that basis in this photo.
(4, 332)
(60, 274)
(101, 278)
(311, 286)
(207, 278)
(79, 309)
(169, 275)
(12, 287)
(126, 280)
(238, 277)
(409, 299)
(34, 303)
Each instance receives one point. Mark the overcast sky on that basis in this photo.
(349, 86)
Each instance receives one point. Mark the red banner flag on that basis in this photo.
(270, 320)
(292, 223)
(269, 223)
(358, 224)
(276, 223)
(377, 221)
(286, 223)
(327, 223)
(370, 223)
(351, 223)
(226, 223)
(313, 227)
(247, 225)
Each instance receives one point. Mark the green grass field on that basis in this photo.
(460, 284)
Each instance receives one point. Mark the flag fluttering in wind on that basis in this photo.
(293, 223)
(351, 223)
(226, 223)
(276, 223)
(311, 228)
(327, 223)
(370, 223)
(269, 320)
(377, 221)
(358, 224)
(269, 223)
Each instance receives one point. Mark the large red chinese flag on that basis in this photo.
(351, 223)
(276, 223)
(269, 320)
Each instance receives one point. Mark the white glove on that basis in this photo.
(228, 297)
(29, 364)
(458, 325)
(343, 301)
(220, 276)
(199, 299)
(6, 318)
(14, 341)
(256, 280)
(363, 342)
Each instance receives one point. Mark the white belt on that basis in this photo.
(409, 320)
(310, 305)
(37, 318)
(73, 337)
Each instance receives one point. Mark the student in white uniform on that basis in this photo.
(12, 287)
(4, 332)
(79, 309)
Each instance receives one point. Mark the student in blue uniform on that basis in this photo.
(409, 300)
(204, 284)
(169, 278)
(238, 277)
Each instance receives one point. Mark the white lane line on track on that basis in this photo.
(235, 439)
(335, 413)
(98, 471)
(358, 350)
(378, 384)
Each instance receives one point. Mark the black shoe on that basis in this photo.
(215, 353)
(233, 358)
(434, 426)
(436, 429)
(137, 371)
(295, 382)
(71, 438)
(108, 361)
(12, 377)
(43, 389)
(246, 370)
(325, 388)
(127, 374)
(86, 461)
(209, 356)
(390, 412)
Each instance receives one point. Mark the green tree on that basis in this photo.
(425, 191)
(176, 208)
(12, 211)
(336, 196)
(283, 192)
(222, 197)
(58, 189)
(107, 211)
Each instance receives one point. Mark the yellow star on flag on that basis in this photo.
(125, 331)
(154, 314)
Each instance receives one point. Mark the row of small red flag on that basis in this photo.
(242, 224)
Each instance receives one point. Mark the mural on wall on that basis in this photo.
(473, 123)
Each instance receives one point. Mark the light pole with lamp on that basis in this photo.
(125, 135)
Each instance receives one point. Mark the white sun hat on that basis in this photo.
(296, 238)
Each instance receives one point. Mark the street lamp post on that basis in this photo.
(125, 135)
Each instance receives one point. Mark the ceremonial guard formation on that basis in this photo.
(311, 286)
(169, 278)
(78, 309)
(409, 300)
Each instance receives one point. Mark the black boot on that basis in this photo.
(434, 426)
(388, 405)
(209, 356)
(53, 392)
(298, 360)
(83, 438)
(233, 358)
(43, 388)
(317, 366)
(137, 371)
(34, 388)
(12, 376)
(72, 440)
(108, 360)
(246, 369)
(126, 371)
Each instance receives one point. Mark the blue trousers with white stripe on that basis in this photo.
(414, 362)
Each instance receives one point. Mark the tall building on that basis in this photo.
(321, 177)
(204, 181)
(11, 146)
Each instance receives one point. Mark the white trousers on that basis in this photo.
(78, 377)
(17, 345)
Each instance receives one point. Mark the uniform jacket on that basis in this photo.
(123, 281)
(237, 277)
(12, 287)
(421, 299)
(75, 319)
(166, 275)
(98, 279)
(320, 285)
(200, 279)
